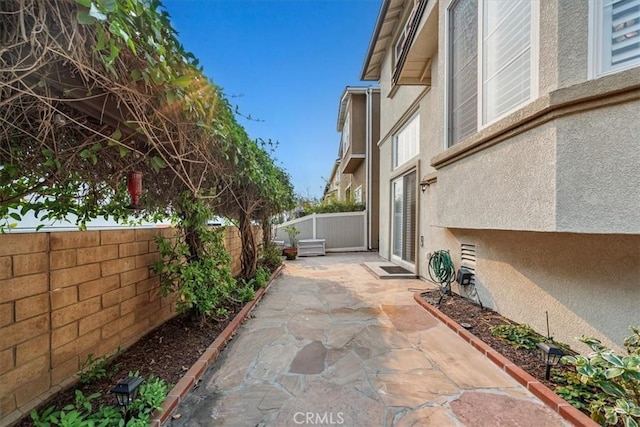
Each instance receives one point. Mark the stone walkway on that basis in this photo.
(331, 345)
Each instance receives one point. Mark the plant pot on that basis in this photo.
(291, 253)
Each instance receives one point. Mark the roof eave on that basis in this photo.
(364, 75)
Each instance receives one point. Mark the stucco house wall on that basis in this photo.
(547, 194)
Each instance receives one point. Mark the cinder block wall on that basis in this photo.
(233, 243)
(67, 294)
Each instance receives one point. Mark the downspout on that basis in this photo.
(368, 164)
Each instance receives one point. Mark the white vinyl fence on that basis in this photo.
(343, 231)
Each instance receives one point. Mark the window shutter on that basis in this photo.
(506, 56)
(463, 65)
(409, 220)
(397, 218)
(407, 142)
(621, 33)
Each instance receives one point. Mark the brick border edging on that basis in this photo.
(538, 389)
(182, 388)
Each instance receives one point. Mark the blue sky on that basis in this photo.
(286, 64)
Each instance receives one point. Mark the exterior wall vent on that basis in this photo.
(468, 259)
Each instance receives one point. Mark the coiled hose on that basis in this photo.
(441, 270)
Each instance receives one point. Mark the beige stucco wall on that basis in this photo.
(598, 175)
(510, 185)
(395, 111)
(385, 201)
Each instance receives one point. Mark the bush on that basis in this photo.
(617, 379)
(271, 258)
(262, 276)
(333, 206)
(204, 284)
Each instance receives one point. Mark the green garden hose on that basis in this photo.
(441, 270)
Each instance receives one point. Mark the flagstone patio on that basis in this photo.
(331, 344)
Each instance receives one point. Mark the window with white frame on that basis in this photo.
(491, 63)
(357, 194)
(406, 143)
(404, 34)
(345, 134)
(616, 35)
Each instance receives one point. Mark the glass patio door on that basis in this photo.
(403, 221)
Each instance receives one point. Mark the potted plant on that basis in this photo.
(291, 251)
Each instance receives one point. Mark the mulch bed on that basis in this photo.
(166, 352)
(462, 310)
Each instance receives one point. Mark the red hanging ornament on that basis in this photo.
(134, 185)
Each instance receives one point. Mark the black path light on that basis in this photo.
(126, 392)
(548, 352)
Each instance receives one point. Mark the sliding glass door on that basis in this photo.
(403, 221)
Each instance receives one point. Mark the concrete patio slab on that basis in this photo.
(377, 361)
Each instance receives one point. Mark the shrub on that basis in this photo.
(333, 206)
(204, 283)
(519, 336)
(270, 259)
(575, 391)
(262, 276)
(616, 377)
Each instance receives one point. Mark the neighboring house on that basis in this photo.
(510, 137)
(354, 176)
(332, 188)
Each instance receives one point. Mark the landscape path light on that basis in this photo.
(126, 392)
(550, 354)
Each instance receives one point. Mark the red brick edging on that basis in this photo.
(544, 393)
(182, 388)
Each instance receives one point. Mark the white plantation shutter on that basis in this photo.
(397, 217)
(463, 64)
(491, 62)
(620, 30)
(407, 142)
(409, 218)
(404, 223)
(506, 56)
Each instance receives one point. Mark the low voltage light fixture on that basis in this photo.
(464, 277)
(126, 392)
(550, 354)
